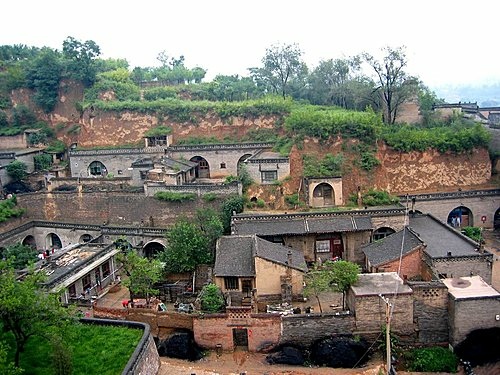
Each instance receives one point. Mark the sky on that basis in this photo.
(447, 42)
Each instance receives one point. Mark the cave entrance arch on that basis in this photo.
(202, 170)
(460, 217)
(29, 241)
(323, 195)
(152, 248)
(96, 168)
(52, 241)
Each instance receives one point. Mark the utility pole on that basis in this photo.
(388, 307)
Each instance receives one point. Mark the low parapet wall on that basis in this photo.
(145, 358)
(161, 323)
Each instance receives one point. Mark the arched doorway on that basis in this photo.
(382, 233)
(496, 219)
(96, 168)
(460, 217)
(85, 238)
(29, 241)
(152, 248)
(203, 169)
(241, 163)
(52, 241)
(323, 195)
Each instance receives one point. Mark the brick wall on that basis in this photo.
(161, 323)
(264, 330)
(305, 329)
(410, 264)
(430, 310)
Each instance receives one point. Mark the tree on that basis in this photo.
(17, 170)
(336, 82)
(211, 298)
(142, 274)
(81, 58)
(6, 367)
(20, 255)
(281, 64)
(25, 309)
(395, 85)
(317, 281)
(342, 275)
(44, 75)
(229, 206)
(192, 242)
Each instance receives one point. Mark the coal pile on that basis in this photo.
(287, 355)
(480, 347)
(340, 352)
(180, 345)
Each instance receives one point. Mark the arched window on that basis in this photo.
(96, 168)
(382, 233)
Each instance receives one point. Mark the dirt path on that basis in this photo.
(241, 362)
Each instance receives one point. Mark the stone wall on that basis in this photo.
(13, 142)
(306, 329)
(110, 207)
(370, 313)
(467, 315)
(464, 266)
(430, 309)
(235, 188)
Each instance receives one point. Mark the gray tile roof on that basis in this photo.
(277, 253)
(302, 225)
(389, 248)
(440, 238)
(235, 255)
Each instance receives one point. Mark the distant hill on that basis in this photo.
(484, 95)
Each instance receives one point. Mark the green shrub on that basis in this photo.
(292, 200)
(42, 162)
(160, 93)
(212, 300)
(158, 131)
(260, 203)
(433, 359)
(171, 196)
(375, 197)
(474, 233)
(330, 165)
(209, 197)
(8, 209)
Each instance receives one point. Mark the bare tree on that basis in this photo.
(395, 85)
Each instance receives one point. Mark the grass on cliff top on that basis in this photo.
(95, 350)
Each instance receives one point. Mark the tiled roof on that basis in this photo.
(277, 253)
(234, 255)
(389, 248)
(440, 238)
(303, 225)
